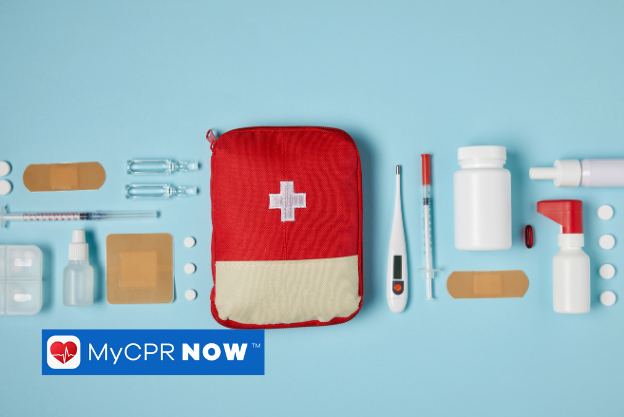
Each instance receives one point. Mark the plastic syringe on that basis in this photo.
(92, 215)
(426, 181)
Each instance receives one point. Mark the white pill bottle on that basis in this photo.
(482, 191)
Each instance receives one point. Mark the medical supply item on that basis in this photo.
(64, 177)
(571, 270)
(189, 242)
(78, 274)
(426, 181)
(606, 242)
(5, 168)
(487, 284)
(528, 236)
(158, 166)
(20, 279)
(190, 295)
(91, 215)
(286, 227)
(607, 271)
(482, 191)
(190, 268)
(605, 212)
(5, 187)
(138, 191)
(588, 173)
(608, 298)
(139, 268)
(396, 275)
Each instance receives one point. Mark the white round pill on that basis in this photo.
(5, 168)
(189, 268)
(189, 242)
(606, 242)
(608, 298)
(605, 212)
(607, 271)
(5, 187)
(190, 294)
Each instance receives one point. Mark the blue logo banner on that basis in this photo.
(152, 352)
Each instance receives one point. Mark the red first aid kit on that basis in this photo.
(287, 227)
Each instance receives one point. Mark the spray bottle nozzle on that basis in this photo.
(78, 236)
(568, 213)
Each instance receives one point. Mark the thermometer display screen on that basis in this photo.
(397, 270)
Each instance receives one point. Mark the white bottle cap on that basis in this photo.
(608, 298)
(565, 173)
(189, 269)
(467, 154)
(605, 212)
(78, 249)
(189, 242)
(607, 271)
(606, 242)
(5, 168)
(5, 187)
(190, 294)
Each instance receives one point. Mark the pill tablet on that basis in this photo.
(605, 212)
(606, 242)
(189, 268)
(189, 242)
(190, 294)
(607, 271)
(5, 168)
(608, 298)
(5, 187)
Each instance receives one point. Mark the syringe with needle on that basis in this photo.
(91, 215)
(426, 180)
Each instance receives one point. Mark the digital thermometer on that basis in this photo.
(396, 279)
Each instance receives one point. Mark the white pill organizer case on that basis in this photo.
(20, 279)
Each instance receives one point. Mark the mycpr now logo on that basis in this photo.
(153, 352)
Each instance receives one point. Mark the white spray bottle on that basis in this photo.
(588, 173)
(571, 272)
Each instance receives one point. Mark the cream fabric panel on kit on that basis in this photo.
(272, 292)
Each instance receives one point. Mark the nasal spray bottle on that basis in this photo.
(588, 173)
(78, 274)
(571, 273)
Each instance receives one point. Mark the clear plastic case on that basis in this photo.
(20, 279)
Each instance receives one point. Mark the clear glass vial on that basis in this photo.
(158, 166)
(78, 274)
(139, 191)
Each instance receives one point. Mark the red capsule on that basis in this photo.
(528, 236)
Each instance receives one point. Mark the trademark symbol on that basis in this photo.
(255, 345)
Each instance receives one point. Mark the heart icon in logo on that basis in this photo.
(63, 352)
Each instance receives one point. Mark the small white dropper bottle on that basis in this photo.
(78, 274)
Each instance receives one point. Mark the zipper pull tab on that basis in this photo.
(210, 136)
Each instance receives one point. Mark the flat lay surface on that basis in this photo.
(109, 82)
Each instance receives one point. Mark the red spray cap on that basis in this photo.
(426, 169)
(568, 213)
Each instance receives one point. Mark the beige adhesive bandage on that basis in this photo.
(139, 268)
(487, 284)
(64, 177)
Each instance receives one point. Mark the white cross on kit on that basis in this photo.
(287, 201)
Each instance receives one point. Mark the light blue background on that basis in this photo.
(108, 81)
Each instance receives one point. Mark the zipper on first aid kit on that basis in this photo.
(212, 138)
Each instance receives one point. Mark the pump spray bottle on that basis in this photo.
(571, 273)
(78, 274)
